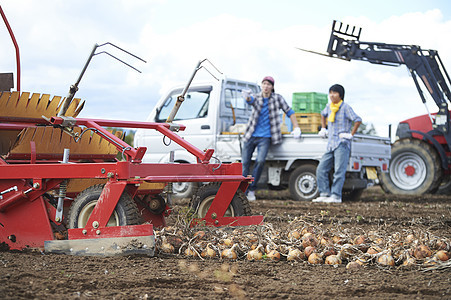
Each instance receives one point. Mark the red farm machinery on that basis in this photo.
(69, 185)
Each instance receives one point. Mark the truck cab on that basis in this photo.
(204, 115)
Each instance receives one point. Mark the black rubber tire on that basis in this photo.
(445, 186)
(125, 213)
(352, 195)
(422, 159)
(201, 202)
(303, 184)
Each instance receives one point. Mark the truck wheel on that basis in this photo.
(125, 213)
(184, 190)
(352, 195)
(201, 202)
(414, 169)
(302, 183)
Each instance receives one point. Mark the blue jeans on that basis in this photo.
(262, 144)
(338, 159)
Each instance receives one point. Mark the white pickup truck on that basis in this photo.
(215, 116)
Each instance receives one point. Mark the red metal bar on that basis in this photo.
(110, 232)
(116, 123)
(108, 199)
(16, 46)
(193, 178)
(222, 200)
(125, 170)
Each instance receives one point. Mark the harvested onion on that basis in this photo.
(295, 254)
(337, 240)
(442, 255)
(294, 235)
(166, 247)
(329, 251)
(360, 240)
(315, 259)
(410, 238)
(422, 251)
(256, 254)
(273, 255)
(229, 253)
(190, 252)
(227, 242)
(410, 261)
(309, 239)
(386, 260)
(332, 260)
(353, 265)
(208, 252)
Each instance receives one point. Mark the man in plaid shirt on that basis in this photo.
(263, 129)
(339, 117)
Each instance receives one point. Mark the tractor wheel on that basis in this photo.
(352, 195)
(414, 169)
(303, 185)
(445, 186)
(201, 202)
(125, 213)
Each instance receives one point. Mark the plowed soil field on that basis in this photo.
(391, 225)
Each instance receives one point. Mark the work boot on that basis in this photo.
(320, 199)
(333, 199)
(251, 196)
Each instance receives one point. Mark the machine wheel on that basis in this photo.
(201, 202)
(352, 195)
(414, 169)
(184, 190)
(303, 185)
(445, 186)
(125, 213)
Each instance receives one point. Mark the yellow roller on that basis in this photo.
(36, 106)
(49, 141)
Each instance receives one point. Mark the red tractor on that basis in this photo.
(421, 157)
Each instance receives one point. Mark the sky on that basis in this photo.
(244, 39)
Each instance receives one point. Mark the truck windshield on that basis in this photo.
(195, 106)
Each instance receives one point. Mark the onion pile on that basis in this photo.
(302, 241)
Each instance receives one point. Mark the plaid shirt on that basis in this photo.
(343, 123)
(275, 103)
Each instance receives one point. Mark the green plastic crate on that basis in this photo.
(309, 102)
